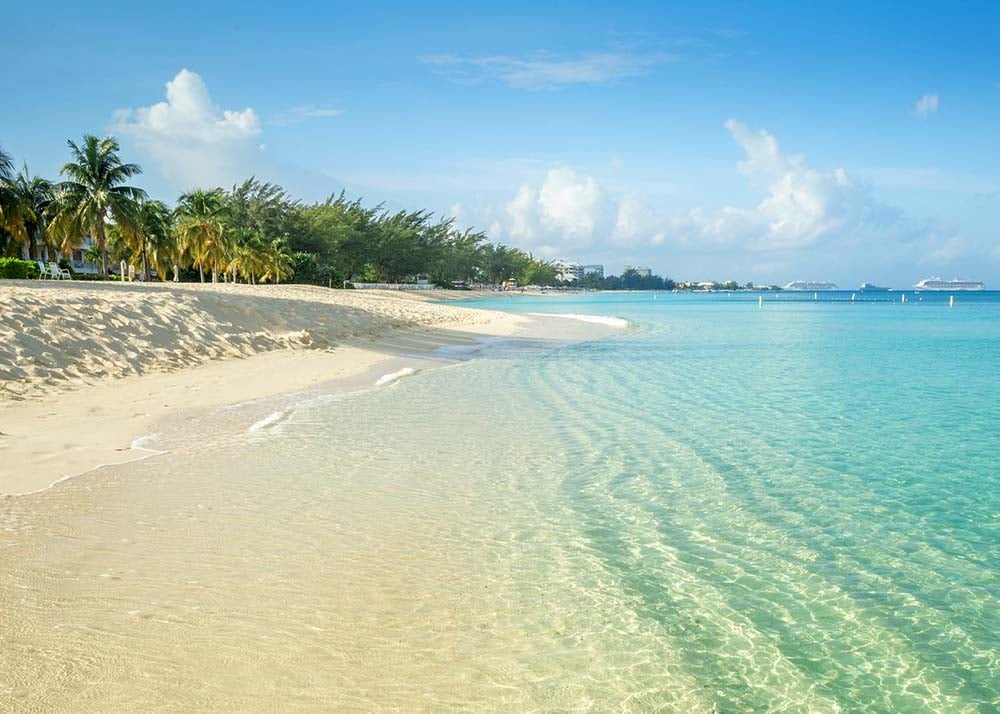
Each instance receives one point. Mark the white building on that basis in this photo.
(78, 260)
(640, 271)
(568, 271)
(595, 269)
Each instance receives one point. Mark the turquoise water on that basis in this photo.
(723, 508)
(804, 497)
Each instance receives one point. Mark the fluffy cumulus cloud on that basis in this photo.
(195, 142)
(565, 211)
(801, 207)
(926, 105)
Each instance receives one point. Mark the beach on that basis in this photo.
(717, 506)
(87, 368)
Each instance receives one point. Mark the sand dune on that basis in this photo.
(86, 368)
(57, 335)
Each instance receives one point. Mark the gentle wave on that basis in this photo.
(267, 421)
(394, 376)
(617, 322)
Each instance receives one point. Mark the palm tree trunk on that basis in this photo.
(147, 275)
(201, 271)
(102, 246)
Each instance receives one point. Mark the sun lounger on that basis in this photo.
(59, 273)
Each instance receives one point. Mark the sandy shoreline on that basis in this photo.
(87, 368)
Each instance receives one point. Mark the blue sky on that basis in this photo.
(752, 141)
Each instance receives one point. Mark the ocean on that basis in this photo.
(723, 507)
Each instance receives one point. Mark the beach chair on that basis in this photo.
(42, 270)
(59, 273)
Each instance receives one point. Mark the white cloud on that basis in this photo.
(927, 105)
(547, 71)
(802, 205)
(195, 142)
(946, 250)
(566, 210)
(297, 115)
(801, 208)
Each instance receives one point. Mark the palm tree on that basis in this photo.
(33, 195)
(277, 261)
(94, 192)
(247, 256)
(10, 206)
(200, 217)
(164, 250)
(151, 227)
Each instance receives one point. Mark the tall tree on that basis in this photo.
(277, 261)
(152, 226)
(34, 196)
(10, 207)
(200, 226)
(94, 192)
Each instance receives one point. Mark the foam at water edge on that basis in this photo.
(139, 443)
(618, 322)
(267, 421)
(394, 376)
(136, 445)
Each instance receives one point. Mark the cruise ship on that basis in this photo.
(809, 285)
(939, 284)
(872, 288)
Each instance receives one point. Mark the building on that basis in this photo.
(594, 269)
(640, 271)
(568, 271)
(78, 260)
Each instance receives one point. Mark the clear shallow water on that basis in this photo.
(731, 508)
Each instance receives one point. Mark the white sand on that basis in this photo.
(86, 368)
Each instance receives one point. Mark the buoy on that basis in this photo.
(951, 301)
(815, 296)
(852, 297)
(760, 301)
(904, 298)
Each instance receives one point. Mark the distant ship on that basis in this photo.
(939, 284)
(809, 285)
(872, 288)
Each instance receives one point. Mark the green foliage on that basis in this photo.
(629, 280)
(94, 192)
(254, 232)
(17, 269)
(307, 270)
(200, 227)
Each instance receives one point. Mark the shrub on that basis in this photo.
(307, 270)
(17, 269)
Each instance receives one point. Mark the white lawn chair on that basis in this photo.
(42, 270)
(59, 273)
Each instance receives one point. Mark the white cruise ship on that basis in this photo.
(809, 285)
(939, 284)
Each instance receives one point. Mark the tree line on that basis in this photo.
(631, 279)
(253, 232)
